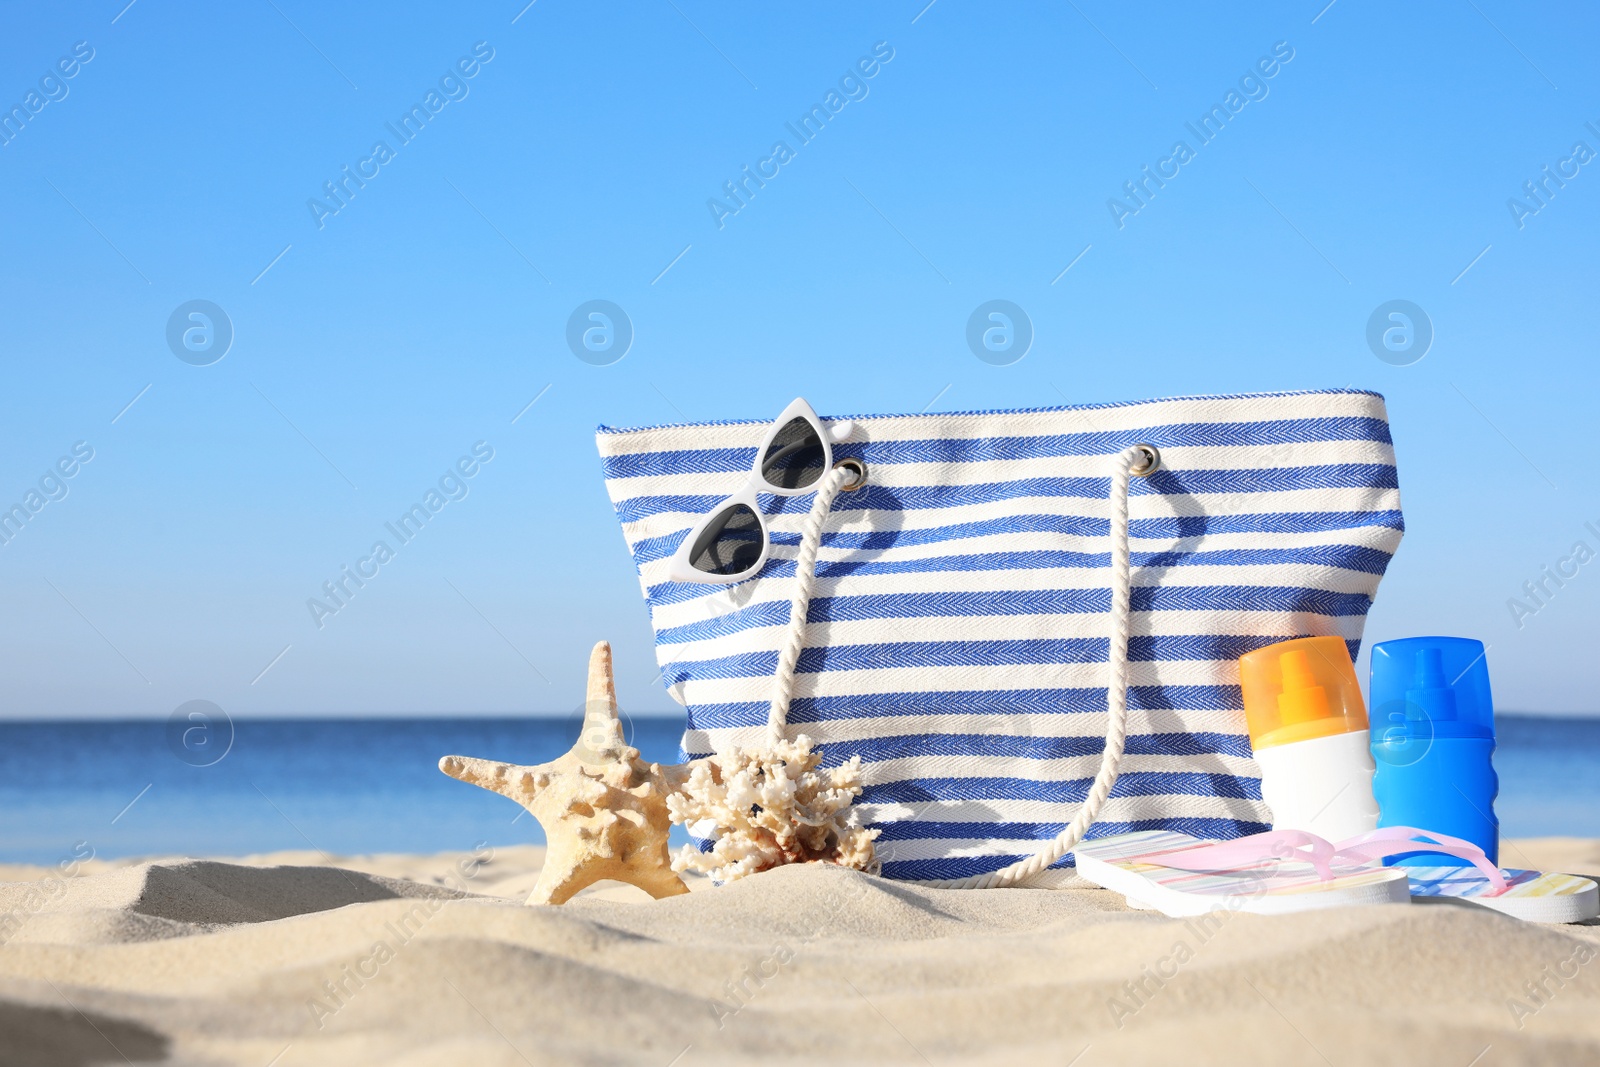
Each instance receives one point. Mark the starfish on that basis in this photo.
(603, 809)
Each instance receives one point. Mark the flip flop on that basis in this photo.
(1530, 895)
(1290, 870)
(1172, 873)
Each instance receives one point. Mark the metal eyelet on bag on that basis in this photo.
(856, 467)
(1152, 461)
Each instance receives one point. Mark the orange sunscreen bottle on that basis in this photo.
(1308, 730)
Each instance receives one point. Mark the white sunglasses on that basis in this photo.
(730, 544)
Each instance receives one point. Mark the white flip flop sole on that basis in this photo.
(1532, 896)
(1278, 887)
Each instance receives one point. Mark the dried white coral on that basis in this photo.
(771, 807)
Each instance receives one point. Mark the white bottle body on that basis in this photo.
(1322, 786)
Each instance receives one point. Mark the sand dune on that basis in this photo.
(295, 958)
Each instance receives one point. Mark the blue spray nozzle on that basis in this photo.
(1430, 668)
(1430, 696)
(1433, 686)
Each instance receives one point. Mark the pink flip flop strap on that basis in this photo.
(1259, 850)
(1249, 852)
(1395, 840)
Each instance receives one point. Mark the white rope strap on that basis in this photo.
(805, 580)
(1138, 459)
(1116, 690)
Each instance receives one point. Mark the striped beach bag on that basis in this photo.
(1026, 624)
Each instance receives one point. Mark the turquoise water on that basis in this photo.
(337, 785)
(373, 785)
(1549, 769)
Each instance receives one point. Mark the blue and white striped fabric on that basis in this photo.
(957, 639)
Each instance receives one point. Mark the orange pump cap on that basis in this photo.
(1299, 690)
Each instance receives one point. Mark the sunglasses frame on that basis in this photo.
(681, 568)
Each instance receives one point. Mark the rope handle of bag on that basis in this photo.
(1141, 460)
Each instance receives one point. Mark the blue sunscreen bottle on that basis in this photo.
(1432, 743)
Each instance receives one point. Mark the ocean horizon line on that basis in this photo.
(342, 716)
(471, 716)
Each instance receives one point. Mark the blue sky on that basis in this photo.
(375, 346)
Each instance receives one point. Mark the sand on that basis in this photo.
(296, 958)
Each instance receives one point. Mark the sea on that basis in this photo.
(367, 785)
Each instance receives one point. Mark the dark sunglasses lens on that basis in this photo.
(730, 543)
(794, 458)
